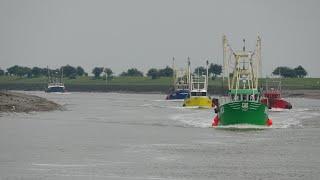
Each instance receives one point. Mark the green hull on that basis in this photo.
(243, 112)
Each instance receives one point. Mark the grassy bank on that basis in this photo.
(136, 84)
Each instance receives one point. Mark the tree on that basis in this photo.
(132, 72)
(69, 71)
(201, 70)
(277, 71)
(80, 71)
(153, 73)
(124, 74)
(44, 71)
(13, 70)
(215, 69)
(166, 72)
(27, 72)
(285, 72)
(97, 71)
(19, 71)
(55, 72)
(109, 73)
(300, 71)
(1, 72)
(36, 71)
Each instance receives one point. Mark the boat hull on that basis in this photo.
(277, 103)
(198, 101)
(178, 94)
(56, 89)
(243, 112)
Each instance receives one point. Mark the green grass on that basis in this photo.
(18, 80)
(118, 81)
(287, 83)
(89, 80)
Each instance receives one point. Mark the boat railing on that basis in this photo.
(182, 86)
(239, 97)
(224, 99)
(55, 84)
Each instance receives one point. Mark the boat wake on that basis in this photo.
(243, 127)
(293, 118)
(200, 119)
(281, 120)
(169, 100)
(278, 110)
(61, 93)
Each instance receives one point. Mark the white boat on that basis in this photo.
(55, 84)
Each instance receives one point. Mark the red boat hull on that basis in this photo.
(276, 103)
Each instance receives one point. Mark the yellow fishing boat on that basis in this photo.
(198, 86)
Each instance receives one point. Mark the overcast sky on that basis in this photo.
(121, 34)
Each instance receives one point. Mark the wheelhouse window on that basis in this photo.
(198, 94)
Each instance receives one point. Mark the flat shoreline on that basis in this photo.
(150, 89)
(20, 102)
(302, 93)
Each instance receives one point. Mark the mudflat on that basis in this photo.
(19, 102)
(302, 93)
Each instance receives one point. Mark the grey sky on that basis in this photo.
(146, 33)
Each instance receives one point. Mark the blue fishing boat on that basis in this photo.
(180, 88)
(178, 94)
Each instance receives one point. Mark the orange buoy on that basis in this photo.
(215, 121)
(269, 122)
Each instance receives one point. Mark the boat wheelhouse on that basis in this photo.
(55, 87)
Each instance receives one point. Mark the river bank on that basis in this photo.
(19, 102)
(150, 89)
(302, 93)
(139, 84)
(292, 87)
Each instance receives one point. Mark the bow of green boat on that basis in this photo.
(243, 112)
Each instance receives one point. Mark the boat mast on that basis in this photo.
(207, 75)
(61, 77)
(189, 73)
(198, 79)
(173, 74)
(48, 74)
(225, 61)
(246, 66)
(259, 65)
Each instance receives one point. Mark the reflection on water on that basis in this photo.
(138, 136)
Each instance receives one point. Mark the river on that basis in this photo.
(142, 136)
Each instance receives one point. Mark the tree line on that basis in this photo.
(283, 71)
(154, 73)
(22, 71)
(67, 71)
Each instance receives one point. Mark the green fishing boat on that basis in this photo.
(242, 104)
